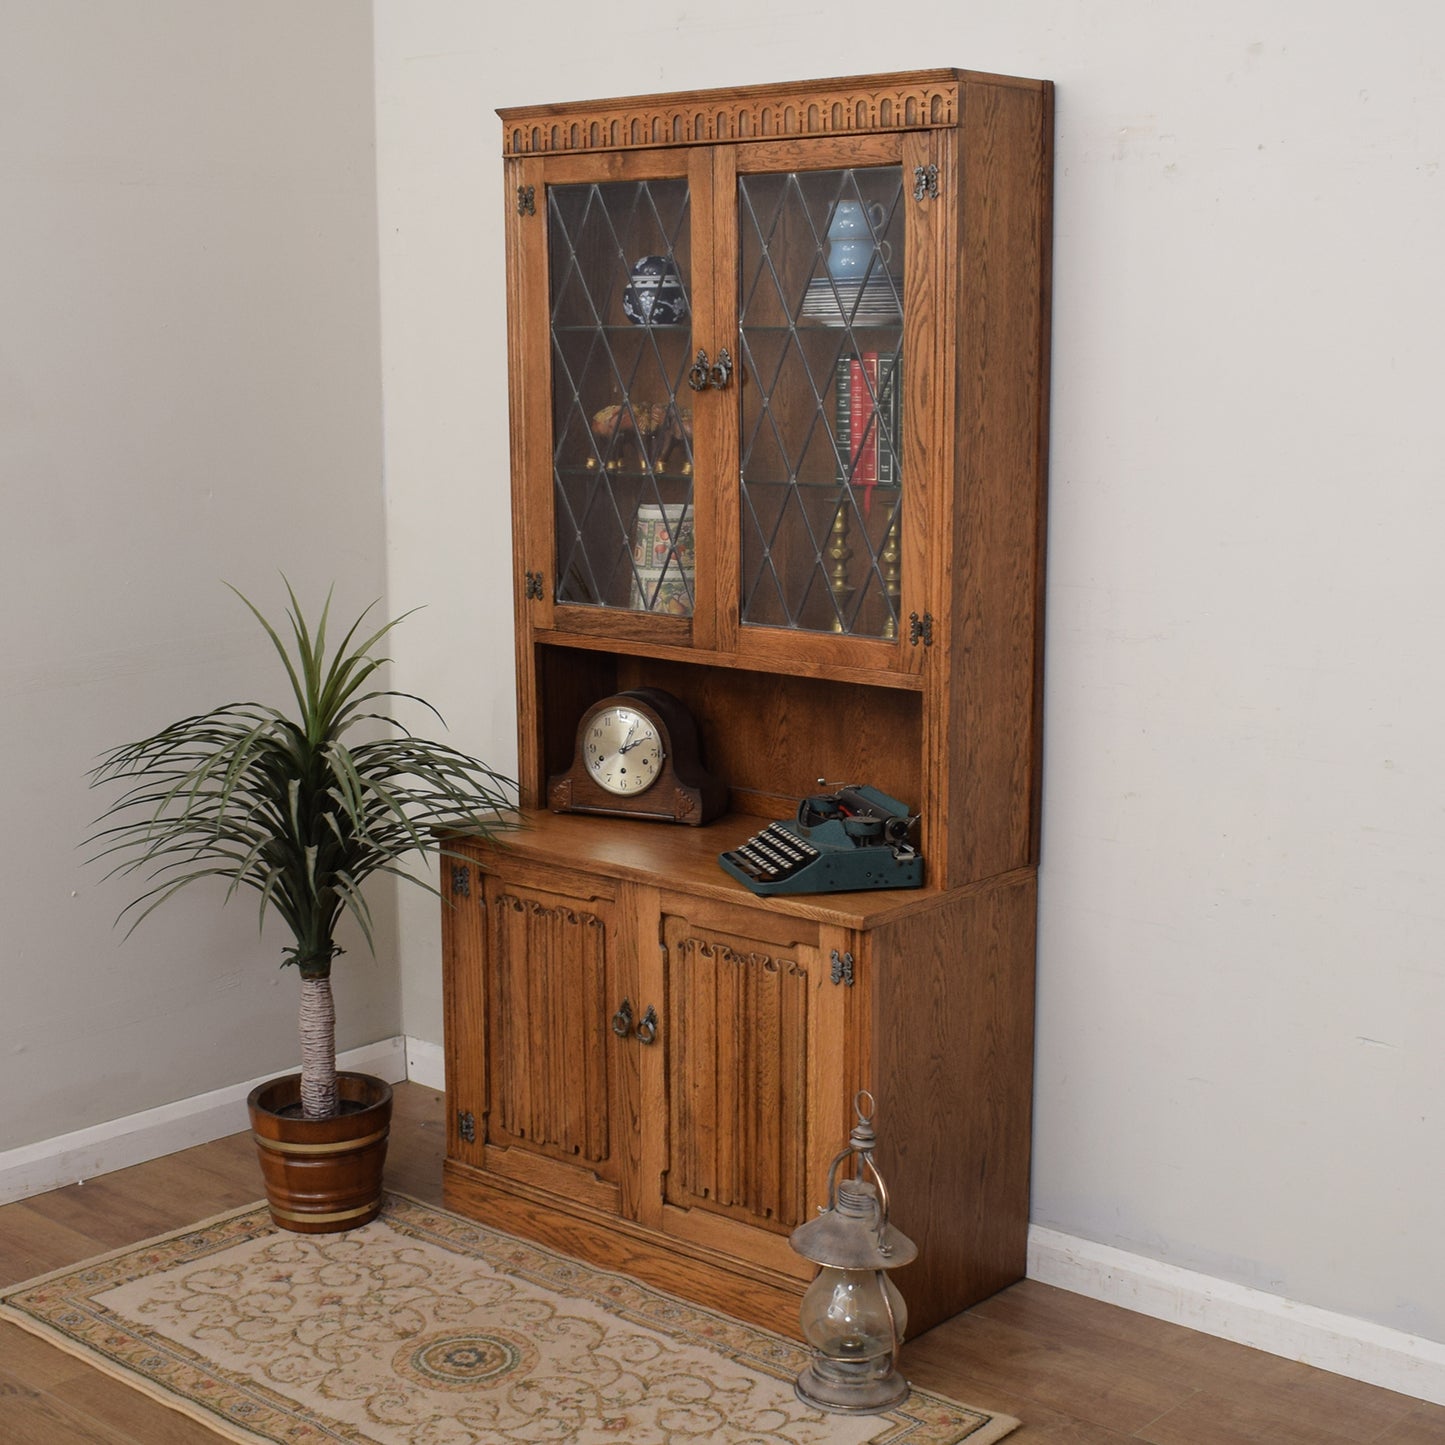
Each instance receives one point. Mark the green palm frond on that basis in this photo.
(301, 809)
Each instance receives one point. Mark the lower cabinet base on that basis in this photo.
(759, 1296)
(658, 1081)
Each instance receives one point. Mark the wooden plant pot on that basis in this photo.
(322, 1175)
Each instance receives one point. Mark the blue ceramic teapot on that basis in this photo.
(851, 241)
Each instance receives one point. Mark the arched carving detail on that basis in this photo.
(929, 100)
(720, 953)
(537, 909)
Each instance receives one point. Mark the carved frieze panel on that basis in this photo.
(867, 105)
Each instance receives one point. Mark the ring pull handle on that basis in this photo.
(704, 373)
(622, 1019)
(647, 1029)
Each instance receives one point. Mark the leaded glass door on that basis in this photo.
(622, 300)
(821, 338)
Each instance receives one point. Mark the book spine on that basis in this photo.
(860, 419)
(843, 409)
(865, 426)
(888, 419)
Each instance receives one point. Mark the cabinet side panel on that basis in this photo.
(995, 624)
(953, 1056)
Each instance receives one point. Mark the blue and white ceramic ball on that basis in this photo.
(655, 296)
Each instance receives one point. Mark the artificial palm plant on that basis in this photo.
(300, 808)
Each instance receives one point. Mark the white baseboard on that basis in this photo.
(76, 1157)
(1339, 1343)
(426, 1064)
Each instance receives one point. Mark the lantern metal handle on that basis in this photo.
(860, 1147)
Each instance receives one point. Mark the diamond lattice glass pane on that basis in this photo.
(820, 307)
(621, 425)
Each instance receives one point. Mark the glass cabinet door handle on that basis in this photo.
(703, 373)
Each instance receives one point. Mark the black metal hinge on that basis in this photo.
(925, 183)
(467, 1126)
(534, 585)
(920, 629)
(526, 200)
(461, 880)
(843, 968)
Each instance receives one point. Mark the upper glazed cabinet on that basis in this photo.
(729, 353)
(778, 363)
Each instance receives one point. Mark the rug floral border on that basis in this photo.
(60, 1307)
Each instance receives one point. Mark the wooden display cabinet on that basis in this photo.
(779, 365)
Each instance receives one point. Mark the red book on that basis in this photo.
(863, 406)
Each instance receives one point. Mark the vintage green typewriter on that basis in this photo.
(843, 842)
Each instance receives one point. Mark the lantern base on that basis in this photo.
(852, 1387)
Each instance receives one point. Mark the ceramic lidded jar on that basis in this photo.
(654, 296)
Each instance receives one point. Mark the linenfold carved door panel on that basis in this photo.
(755, 1075)
(553, 1060)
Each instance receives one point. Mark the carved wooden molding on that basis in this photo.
(864, 105)
(721, 953)
(541, 910)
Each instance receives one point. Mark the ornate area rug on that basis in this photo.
(424, 1328)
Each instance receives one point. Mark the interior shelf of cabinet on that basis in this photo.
(891, 327)
(621, 328)
(633, 473)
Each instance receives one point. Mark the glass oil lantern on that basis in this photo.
(853, 1315)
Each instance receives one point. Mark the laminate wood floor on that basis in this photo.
(1071, 1369)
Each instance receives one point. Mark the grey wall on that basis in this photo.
(1241, 981)
(189, 391)
(1240, 985)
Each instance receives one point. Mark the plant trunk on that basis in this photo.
(318, 1049)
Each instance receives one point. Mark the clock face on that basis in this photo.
(622, 751)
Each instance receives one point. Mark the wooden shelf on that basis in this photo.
(684, 859)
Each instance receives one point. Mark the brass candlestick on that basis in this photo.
(890, 558)
(841, 553)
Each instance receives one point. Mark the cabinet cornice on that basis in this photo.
(857, 105)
